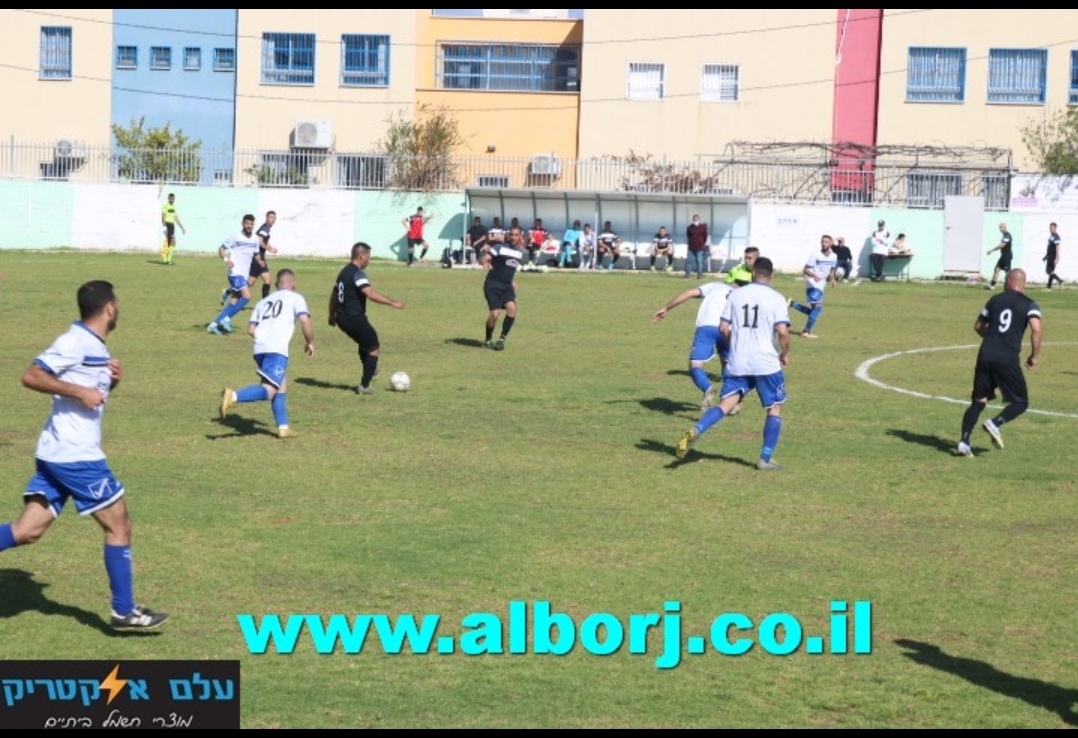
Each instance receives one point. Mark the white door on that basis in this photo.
(963, 233)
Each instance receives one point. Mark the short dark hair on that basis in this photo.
(763, 268)
(576, 223)
(284, 273)
(752, 250)
(900, 235)
(172, 194)
(1054, 224)
(93, 297)
(248, 217)
(270, 212)
(358, 248)
(477, 218)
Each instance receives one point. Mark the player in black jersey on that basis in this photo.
(1002, 325)
(501, 261)
(1051, 258)
(348, 311)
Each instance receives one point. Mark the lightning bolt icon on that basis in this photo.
(113, 684)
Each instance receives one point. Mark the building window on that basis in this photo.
(127, 57)
(55, 52)
(224, 60)
(927, 189)
(222, 177)
(364, 61)
(160, 57)
(996, 188)
(720, 83)
(647, 81)
(278, 169)
(1073, 94)
(288, 58)
(1017, 76)
(508, 67)
(192, 58)
(492, 180)
(362, 172)
(936, 75)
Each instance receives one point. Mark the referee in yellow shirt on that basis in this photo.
(169, 219)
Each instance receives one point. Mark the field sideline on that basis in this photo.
(545, 473)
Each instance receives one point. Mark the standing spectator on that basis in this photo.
(698, 239)
(414, 224)
(881, 247)
(662, 245)
(1051, 258)
(1005, 249)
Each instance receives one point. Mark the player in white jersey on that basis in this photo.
(707, 342)
(79, 373)
(819, 272)
(237, 252)
(754, 316)
(272, 324)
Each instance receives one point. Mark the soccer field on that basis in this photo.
(545, 475)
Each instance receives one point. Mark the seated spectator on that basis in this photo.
(537, 236)
(609, 243)
(589, 245)
(662, 245)
(475, 238)
(844, 266)
(899, 247)
(570, 242)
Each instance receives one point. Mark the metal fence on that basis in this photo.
(922, 184)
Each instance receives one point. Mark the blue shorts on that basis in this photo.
(707, 343)
(272, 368)
(771, 388)
(814, 295)
(89, 483)
(236, 283)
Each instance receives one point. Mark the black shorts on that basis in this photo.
(1050, 267)
(361, 331)
(499, 294)
(412, 242)
(1006, 376)
(1004, 263)
(170, 230)
(258, 268)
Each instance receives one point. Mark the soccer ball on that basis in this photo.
(400, 381)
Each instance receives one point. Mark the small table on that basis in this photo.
(902, 265)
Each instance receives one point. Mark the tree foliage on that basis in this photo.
(420, 149)
(156, 154)
(1052, 142)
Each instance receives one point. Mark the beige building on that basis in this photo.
(55, 73)
(975, 77)
(331, 78)
(681, 83)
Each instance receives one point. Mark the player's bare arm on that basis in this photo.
(783, 333)
(333, 309)
(307, 326)
(980, 327)
(42, 381)
(1036, 336)
(375, 296)
(683, 297)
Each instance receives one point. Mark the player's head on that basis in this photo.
(361, 254)
(695, 219)
(497, 222)
(587, 228)
(840, 241)
(607, 225)
(1002, 227)
(1052, 227)
(419, 211)
(576, 224)
(516, 234)
(538, 222)
(96, 298)
(1016, 280)
(662, 230)
(477, 220)
(751, 255)
(171, 198)
(248, 224)
(880, 225)
(286, 279)
(826, 242)
(762, 270)
(271, 217)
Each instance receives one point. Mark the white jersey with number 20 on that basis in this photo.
(275, 320)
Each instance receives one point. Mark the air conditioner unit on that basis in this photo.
(313, 134)
(68, 149)
(545, 164)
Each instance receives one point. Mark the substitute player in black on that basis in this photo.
(1052, 257)
(348, 311)
(259, 267)
(499, 288)
(1006, 251)
(1002, 325)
